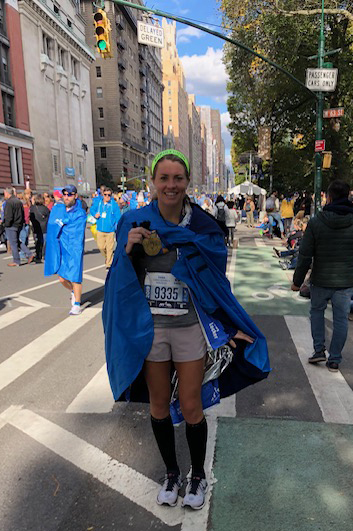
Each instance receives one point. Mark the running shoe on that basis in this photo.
(75, 310)
(169, 492)
(195, 493)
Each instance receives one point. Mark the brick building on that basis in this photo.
(16, 141)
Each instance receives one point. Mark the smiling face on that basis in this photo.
(170, 182)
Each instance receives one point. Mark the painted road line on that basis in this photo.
(333, 394)
(96, 397)
(31, 354)
(118, 476)
(93, 279)
(40, 286)
(260, 243)
(198, 520)
(17, 314)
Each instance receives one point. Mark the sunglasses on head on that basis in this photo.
(68, 193)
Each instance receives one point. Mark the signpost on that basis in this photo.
(334, 113)
(321, 79)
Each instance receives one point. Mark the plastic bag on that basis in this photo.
(93, 229)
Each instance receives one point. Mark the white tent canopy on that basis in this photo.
(247, 188)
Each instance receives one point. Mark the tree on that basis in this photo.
(287, 33)
(104, 176)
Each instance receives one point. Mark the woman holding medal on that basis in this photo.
(169, 270)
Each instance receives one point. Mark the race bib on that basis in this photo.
(166, 295)
(104, 214)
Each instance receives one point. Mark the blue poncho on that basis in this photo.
(201, 264)
(65, 242)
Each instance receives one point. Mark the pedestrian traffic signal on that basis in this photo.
(102, 32)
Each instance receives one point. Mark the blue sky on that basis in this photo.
(201, 54)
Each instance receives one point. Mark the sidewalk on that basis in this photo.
(275, 473)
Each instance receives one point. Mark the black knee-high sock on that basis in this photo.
(163, 430)
(196, 435)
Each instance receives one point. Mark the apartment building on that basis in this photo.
(195, 145)
(126, 95)
(57, 64)
(16, 140)
(175, 97)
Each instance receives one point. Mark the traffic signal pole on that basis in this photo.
(319, 117)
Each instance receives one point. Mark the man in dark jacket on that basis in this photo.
(14, 220)
(328, 243)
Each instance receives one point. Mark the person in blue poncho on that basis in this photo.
(65, 245)
(168, 301)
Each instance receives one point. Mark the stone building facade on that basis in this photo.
(126, 95)
(57, 65)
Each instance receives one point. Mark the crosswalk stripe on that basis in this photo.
(333, 394)
(95, 397)
(13, 316)
(118, 476)
(93, 279)
(31, 354)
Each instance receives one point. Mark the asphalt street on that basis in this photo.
(280, 453)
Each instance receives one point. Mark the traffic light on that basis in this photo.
(102, 33)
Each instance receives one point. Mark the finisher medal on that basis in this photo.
(152, 245)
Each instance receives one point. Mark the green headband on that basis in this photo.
(174, 152)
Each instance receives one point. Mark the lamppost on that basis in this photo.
(319, 115)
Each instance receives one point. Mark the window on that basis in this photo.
(75, 68)
(100, 112)
(69, 23)
(16, 165)
(103, 153)
(55, 157)
(99, 92)
(8, 108)
(169, 83)
(101, 132)
(4, 65)
(2, 17)
(48, 46)
(56, 10)
(98, 71)
(169, 92)
(80, 167)
(62, 61)
(68, 159)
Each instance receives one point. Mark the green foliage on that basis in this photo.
(261, 95)
(103, 176)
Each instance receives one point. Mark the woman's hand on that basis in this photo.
(136, 236)
(241, 335)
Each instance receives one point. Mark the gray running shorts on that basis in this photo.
(178, 344)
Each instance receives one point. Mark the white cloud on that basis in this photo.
(185, 34)
(227, 139)
(206, 75)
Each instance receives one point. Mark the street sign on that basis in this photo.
(319, 145)
(150, 34)
(334, 113)
(321, 79)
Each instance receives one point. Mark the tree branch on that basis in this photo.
(306, 12)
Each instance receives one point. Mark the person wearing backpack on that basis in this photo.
(249, 208)
(272, 209)
(221, 209)
(39, 215)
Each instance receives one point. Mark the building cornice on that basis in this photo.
(45, 13)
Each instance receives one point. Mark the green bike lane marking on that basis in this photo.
(284, 475)
(262, 287)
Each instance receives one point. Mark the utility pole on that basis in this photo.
(319, 116)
